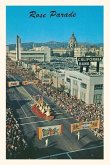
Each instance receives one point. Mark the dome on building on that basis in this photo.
(72, 42)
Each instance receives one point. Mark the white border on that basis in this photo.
(52, 2)
(106, 76)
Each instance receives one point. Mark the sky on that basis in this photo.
(87, 25)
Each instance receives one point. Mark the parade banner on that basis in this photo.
(76, 127)
(13, 83)
(25, 82)
(85, 125)
(29, 82)
(43, 132)
(34, 81)
(94, 124)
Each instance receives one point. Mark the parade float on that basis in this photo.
(42, 110)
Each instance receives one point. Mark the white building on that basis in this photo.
(86, 86)
(18, 48)
(57, 78)
(80, 51)
(61, 51)
(98, 51)
(72, 42)
(42, 54)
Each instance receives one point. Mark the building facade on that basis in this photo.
(72, 42)
(80, 51)
(42, 55)
(85, 86)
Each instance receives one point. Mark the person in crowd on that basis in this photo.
(15, 143)
(70, 104)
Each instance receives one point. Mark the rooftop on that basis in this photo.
(93, 74)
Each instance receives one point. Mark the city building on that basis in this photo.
(18, 48)
(72, 42)
(69, 50)
(87, 86)
(98, 51)
(80, 51)
(7, 50)
(58, 78)
(61, 51)
(42, 54)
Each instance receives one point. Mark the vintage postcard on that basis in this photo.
(54, 82)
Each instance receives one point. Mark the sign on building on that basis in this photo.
(43, 132)
(91, 59)
(84, 63)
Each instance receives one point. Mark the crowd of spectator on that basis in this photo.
(76, 107)
(71, 104)
(15, 143)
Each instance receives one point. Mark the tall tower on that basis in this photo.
(18, 48)
(72, 42)
(33, 46)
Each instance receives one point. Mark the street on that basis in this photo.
(21, 99)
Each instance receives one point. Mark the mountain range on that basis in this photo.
(52, 44)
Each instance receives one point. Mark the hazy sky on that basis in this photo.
(87, 25)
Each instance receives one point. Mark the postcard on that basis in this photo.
(54, 82)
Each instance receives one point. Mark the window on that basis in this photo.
(68, 79)
(73, 77)
(83, 85)
(75, 82)
(98, 86)
(97, 98)
(62, 81)
(83, 96)
(79, 79)
(75, 92)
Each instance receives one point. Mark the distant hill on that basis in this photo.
(91, 44)
(51, 44)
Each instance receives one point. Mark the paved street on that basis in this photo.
(65, 146)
